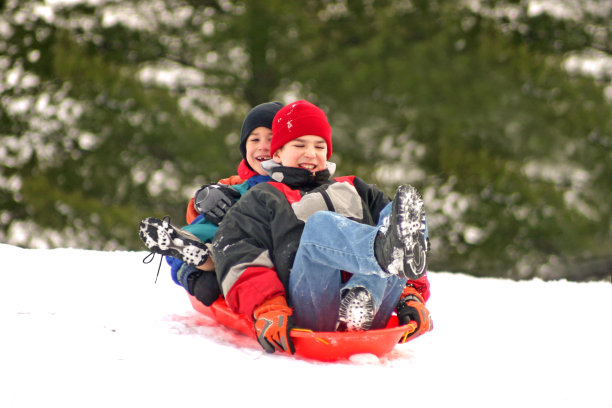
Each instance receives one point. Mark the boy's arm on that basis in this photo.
(373, 197)
(213, 201)
(235, 181)
(421, 285)
(241, 251)
(192, 214)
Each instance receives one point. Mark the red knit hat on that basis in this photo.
(300, 118)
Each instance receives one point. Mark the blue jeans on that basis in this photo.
(332, 243)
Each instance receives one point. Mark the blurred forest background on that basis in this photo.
(499, 112)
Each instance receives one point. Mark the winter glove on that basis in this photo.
(412, 307)
(273, 323)
(213, 201)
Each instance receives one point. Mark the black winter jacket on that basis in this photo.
(256, 243)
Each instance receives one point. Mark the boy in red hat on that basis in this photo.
(324, 254)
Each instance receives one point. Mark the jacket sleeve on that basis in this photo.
(373, 197)
(242, 250)
(421, 285)
(192, 214)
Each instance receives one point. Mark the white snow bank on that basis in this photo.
(92, 329)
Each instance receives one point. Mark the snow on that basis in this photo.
(92, 329)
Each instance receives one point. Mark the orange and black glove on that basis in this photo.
(273, 323)
(412, 307)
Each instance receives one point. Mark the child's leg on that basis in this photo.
(389, 299)
(331, 243)
(314, 294)
(316, 291)
(385, 293)
(342, 244)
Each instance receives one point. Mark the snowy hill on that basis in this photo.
(92, 329)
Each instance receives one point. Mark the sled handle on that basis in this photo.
(413, 326)
(300, 330)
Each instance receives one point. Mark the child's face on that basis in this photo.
(258, 148)
(305, 152)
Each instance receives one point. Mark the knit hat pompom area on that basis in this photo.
(260, 115)
(300, 118)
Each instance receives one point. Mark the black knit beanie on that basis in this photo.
(260, 115)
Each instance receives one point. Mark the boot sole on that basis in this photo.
(163, 238)
(410, 211)
(356, 312)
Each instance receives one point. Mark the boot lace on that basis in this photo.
(151, 255)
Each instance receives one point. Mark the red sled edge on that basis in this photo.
(321, 346)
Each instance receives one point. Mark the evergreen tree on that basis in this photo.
(118, 111)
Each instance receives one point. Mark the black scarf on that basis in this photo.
(298, 178)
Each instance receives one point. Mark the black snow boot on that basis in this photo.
(400, 247)
(164, 238)
(356, 312)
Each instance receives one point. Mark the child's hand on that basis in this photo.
(213, 201)
(273, 323)
(412, 307)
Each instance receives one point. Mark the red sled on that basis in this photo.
(321, 346)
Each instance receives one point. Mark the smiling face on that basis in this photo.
(305, 152)
(258, 148)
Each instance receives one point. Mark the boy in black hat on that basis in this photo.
(187, 249)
